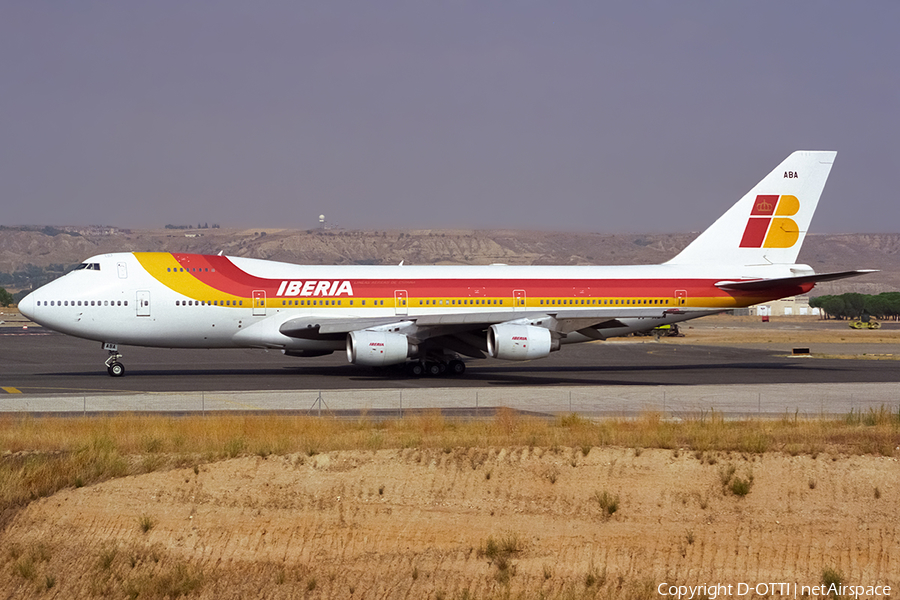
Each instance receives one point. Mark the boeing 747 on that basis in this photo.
(430, 317)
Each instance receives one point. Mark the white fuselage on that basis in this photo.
(119, 301)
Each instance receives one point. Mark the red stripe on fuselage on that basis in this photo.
(221, 274)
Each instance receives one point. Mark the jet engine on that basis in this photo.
(519, 342)
(378, 348)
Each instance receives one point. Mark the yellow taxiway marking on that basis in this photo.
(11, 390)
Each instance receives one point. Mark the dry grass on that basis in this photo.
(41, 456)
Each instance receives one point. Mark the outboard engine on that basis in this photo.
(378, 348)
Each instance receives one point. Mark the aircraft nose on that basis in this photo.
(26, 306)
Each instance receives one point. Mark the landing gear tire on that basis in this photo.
(456, 367)
(116, 369)
(433, 369)
(415, 369)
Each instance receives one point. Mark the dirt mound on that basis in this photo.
(462, 523)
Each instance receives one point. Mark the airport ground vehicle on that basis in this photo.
(865, 322)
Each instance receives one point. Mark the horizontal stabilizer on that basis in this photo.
(754, 285)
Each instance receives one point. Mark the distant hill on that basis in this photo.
(49, 250)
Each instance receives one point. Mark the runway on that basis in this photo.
(48, 372)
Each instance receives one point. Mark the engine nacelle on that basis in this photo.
(378, 348)
(519, 342)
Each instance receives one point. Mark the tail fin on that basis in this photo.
(768, 224)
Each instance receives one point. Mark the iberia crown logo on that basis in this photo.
(768, 225)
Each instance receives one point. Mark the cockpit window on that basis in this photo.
(88, 266)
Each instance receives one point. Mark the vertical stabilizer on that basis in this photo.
(769, 223)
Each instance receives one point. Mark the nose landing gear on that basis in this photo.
(113, 366)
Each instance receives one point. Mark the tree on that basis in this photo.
(5, 298)
(852, 305)
(855, 303)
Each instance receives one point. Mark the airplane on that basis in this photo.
(429, 317)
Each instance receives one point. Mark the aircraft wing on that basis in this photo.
(752, 285)
(426, 326)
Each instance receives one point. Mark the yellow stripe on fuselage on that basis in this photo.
(157, 264)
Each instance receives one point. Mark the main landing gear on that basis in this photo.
(431, 368)
(113, 366)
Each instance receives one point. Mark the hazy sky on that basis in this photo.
(588, 116)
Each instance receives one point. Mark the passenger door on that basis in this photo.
(400, 302)
(143, 303)
(518, 299)
(259, 303)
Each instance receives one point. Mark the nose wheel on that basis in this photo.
(113, 366)
(116, 369)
